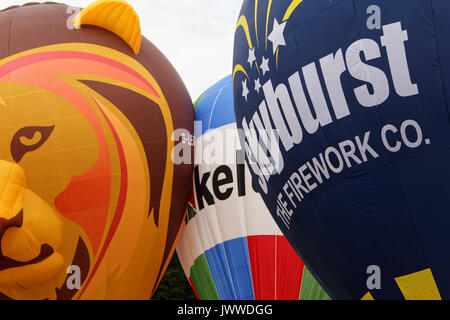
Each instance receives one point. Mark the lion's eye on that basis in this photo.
(29, 139)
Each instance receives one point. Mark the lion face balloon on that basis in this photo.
(91, 201)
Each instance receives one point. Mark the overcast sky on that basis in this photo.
(195, 35)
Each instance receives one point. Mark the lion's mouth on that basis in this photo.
(7, 263)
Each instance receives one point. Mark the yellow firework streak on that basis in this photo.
(267, 19)
(239, 68)
(257, 67)
(294, 4)
(242, 22)
(256, 22)
(276, 60)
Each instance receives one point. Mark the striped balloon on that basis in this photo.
(230, 248)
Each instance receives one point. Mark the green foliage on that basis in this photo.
(174, 285)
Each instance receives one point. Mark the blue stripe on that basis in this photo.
(216, 107)
(229, 263)
(222, 277)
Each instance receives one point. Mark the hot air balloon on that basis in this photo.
(230, 248)
(92, 201)
(344, 105)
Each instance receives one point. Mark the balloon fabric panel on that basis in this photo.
(362, 117)
(230, 247)
(100, 177)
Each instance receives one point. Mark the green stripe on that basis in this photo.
(311, 289)
(191, 213)
(198, 101)
(203, 280)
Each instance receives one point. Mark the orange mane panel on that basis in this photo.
(42, 70)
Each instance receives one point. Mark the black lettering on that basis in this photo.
(217, 183)
(201, 190)
(240, 171)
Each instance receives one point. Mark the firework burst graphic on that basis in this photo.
(263, 57)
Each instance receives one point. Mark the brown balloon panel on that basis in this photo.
(92, 201)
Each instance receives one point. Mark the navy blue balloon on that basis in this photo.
(345, 110)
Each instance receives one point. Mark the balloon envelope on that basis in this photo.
(94, 202)
(230, 247)
(358, 180)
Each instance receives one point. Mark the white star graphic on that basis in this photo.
(265, 65)
(245, 91)
(251, 57)
(257, 85)
(276, 36)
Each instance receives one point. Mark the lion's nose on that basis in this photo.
(5, 224)
(30, 233)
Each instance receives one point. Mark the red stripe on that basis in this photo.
(289, 271)
(193, 288)
(276, 268)
(261, 250)
(42, 56)
(120, 202)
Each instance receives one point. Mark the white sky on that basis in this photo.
(195, 35)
